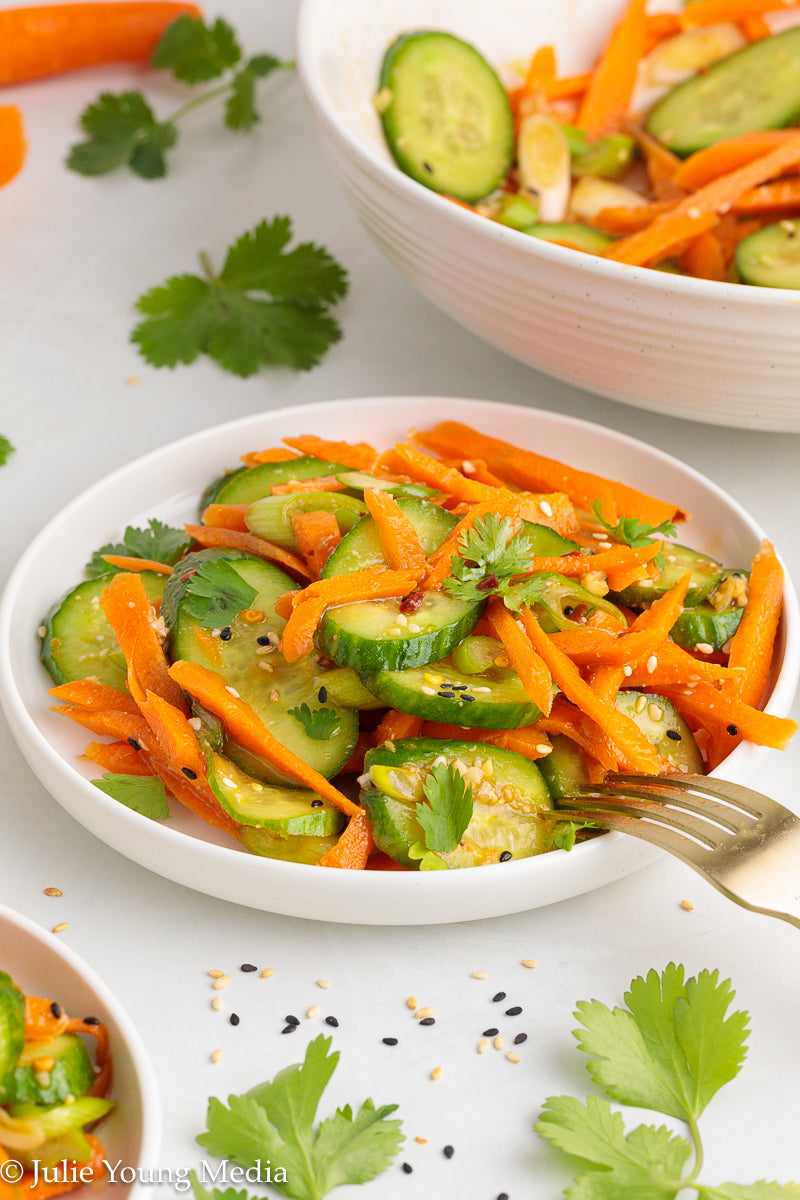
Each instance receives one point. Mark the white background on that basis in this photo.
(74, 255)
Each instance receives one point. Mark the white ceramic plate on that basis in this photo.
(43, 966)
(188, 851)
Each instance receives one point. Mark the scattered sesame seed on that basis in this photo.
(687, 905)
(499, 1042)
(515, 1011)
(61, 926)
(448, 1151)
(468, 467)
(332, 1021)
(265, 666)
(225, 634)
(421, 1013)
(481, 689)
(288, 1029)
(268, 972)
(389, 1041)
(325, 983)
(489, 1033)
(498, 997)
(216, 1004)
(505, 856)
(248, 968)
(483, 1045)
(704, 648)
(216, 1056)
(195, 723)
(52, 891)
(652, 663)
(407, 1167)
(640, 705)
(520, 1038)
(530, 963)
(601, 537)
(544, 748)
(133, 742)
(274, 695)
(313, 1011)
(480, 975)
(233, 692)
(234, 1018)
(42, 631)
(436, 1073)
(655, 712)
(627, 670)
(221, 982)
(55, 1009)
(427, 691)
(732, 730)
(512, 1056)
(673, 735)
(546, 508)
(412, 1002)
(390, 746)
(693, 213)
(263, 641)
(189, 773)
(414, 628)
(428, 1021)
(322, 695)
(292, 1020)
(503, 1196)
(215, 633)
(466, 696)
(316, 803)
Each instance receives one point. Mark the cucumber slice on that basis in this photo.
(271, 690)
(564, 768)
(12, 1029)
(508, 793)
(286, 811)
(703, 625)
(71, 1145)
(755, 88)
(247, 484)
(494, 699)
(445, 115)
(72, 1075)
(301, 849)
(545, 542)
(771, 257)
(79, 643)
(271, 517)
(361, 548)
(343, 686)
(657, 718)
(359, 480)
(59, 1119)
(608, 158)
(377, 636)
(517, 212)
(477, 654)
(706, 573)
(573, 235)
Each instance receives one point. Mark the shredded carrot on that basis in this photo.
(317, 536)
(712, 12)
(233, 539)
(397, 725)
(353, 848)
(196, 795)
(715, 710)
(754, 640)
(566, 719)
(358, 456)
(254, 458)
(321, 483)
(530, 667)
(226, 516)
(177, 741)
(608, 96)
(704, 258)
(374, 584)
(771, 198)
(106, 722)
(541, 73)
(704, 166)
(297, 640)
(90, 693)
(400, 539)
(523, 741)
(567, 88)
(755, 28)
(575, 565)
(247, 728)
(13, 146)
(630, 220)
(137, 564)
(658, 26)
(662, 166)
(121, 758)
(435, 474)
(130, 614)
(355, 763)
(605, 682)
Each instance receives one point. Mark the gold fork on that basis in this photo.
(745, 844)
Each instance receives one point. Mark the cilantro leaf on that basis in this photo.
(449, 808)
(143, 793)
(6, 450)
(240, 107)
(321, 724)
(562, 836)
(196, 52)
(160, 542)
(122, 130)
(216, 593)
(489, 554)
(265, 307)
(427, 859)
(752, 1191)
(633, 532)
(275, 1121)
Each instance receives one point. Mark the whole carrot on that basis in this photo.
(12, 142)
(49, 39)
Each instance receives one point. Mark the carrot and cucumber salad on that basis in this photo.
(403, 658)
(679, 149)
(52, 1092)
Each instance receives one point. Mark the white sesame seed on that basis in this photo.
(216, 1004)
(390, 746)
(53, 891)
(268, 972)
(427, 691)
(233, 692)
(422, 1013)
(704, 648)
(215, 972)
(274, 639)
(436, 1073)
(324, 984)
(480, 975)
(483, 1046)
(314, 1011)
(221, 983)
(499, 1042)
(414, 628)
(693, 213)
(604, 545)
(655, 712)
(481, 689)
(512, 1056)
(543, 749)
(216, 1056)
(601, 537)
(652, 663)
(546, 508)
(401, 619)
(61, 926)
(468, 467)
(274, 695)
(196, 724)
(530, 963)
(626, 670)
(215, 633)
(42, 631)
(412, 1002)
(687, 905)
(265, 666)
(640, 705)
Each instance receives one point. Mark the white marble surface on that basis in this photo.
(74, 254)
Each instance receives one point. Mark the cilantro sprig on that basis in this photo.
(630, 531)
(321, 724)
(123, 130)
(444, 818)
(6, 449)
(143, 793)
(268, 305)
(670, 1050)
(274, 1123)
(489, 555)
(160, 542)
(216, 593)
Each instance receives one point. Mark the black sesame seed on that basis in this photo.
(465, 696)
(290, 1020)
(189, 773)
(316, 804)
(503, 1196)
(262, 641)
(427, 167)
(446, 695)
(248, 967)
(520, 1038)
(490, 1033)
(498, 997)
(332, 1021)
(505, 856)
(288, 1029)
(569, 610)
(515, 1011)
(234, 1018)
(389, 1041)
(133, 742)
(674, 735)
(225, 634)
(55, 1009)
(733, 730)
(407, 1167)
(428, 1021)
(448, 1152)
(91, 1020)
(459, 687)
(322, 695)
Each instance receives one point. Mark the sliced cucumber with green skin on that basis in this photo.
(706, 573)
(361, 549)
(658, 718)
(608, 158)
(703, 625)
(517, 212)
(358, 481)
(545, 542)
(12, 1029)
(564, 768)
(574, 235)
(771, 257)
(367, 636)
(756, 88)
(71, 1145)
(271, 517)
(302, 849)
(508, 793)
(247, 484)
(59, 1119)
(79, 643)
(476, 654)
(287, 811)
(270, 690)
(72, 1075)
(495, 699)
(445, 115)
(343, 686)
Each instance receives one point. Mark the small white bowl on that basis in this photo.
(42, 966)
(718, 352)
(169, 482)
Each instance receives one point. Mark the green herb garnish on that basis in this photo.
(266, 306)
(143, 793)
(562, 835)
(448, 811)
(122, 128)
(321, 724)
(489, 555)
(6, 449)
(216, 593)
(159, 542)
(274, 1122)
(630, 531)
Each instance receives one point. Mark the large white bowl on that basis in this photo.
(167, 484)
(43, 966)
(718, 352)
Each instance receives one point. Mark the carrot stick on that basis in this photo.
(374, 584)
(704, 258)
(118, 757)
(698, 211)
(400, 539)
(661, 164)
(704, 166)
(397, 725)
(247, 728)
(435, 474)
(355, 763)
(522, 741)
(605, 682)
(630, 220)
(755, 28)
(226, 516)
(322, 483)
(235, 540)
(254, 458)
(196, 795)
(608, 96)
(526, 662)
(358, 456)
(353, 847)
(660, 25)
(575, 565)
(297, 640)
(317, 536)
(753, 642)
(90, 693)
(628, 739)
(541, 73)
(770, 198)
(719, 712)
(711, 12)
(571, 85)
(13, 146)
(106, 722)
(130, 614)
(47, 40)
(177, 741)
(41, 1023)
(137, 564)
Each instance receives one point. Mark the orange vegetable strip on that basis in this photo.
(782, 196)
(246, 727)
(131, 615)
(399, 537)
(542, 70)
(381, 862)
(575, 565)
(254, 458)
(753, 642)
(567, 719)
(196, 795)
(97, 1031)
(715, 710)
(535, 473)
(704, 166)
(40, 1023)
(704, 258)
(755, 28)
(662, 25)
(649, 629)
(95, 1169)
(437, 474)
(358, 456)
(355, 763)
(106, 722)
(91, 693)
(479, 472)
(569, 86)
(177, 741)
(711, 12)
(118, 757)
(522, 741)
(630, 220)
(526, 662)
(322, 483)
(297, 640)
(208, 644)
(284, 605)
(317, 536)
(605, 682)
(699, 210)
(226, 516)
(397, 725)
(374, 584)
(662, 166)
(624, 733)
(249, 542)
(13, 146)
(456, 733)
(46, 40)
(608, 96)
(137, 564)
(353, 847)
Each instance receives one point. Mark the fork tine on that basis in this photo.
(671, 840)
(655, 813)
(731, 819)
(755, 804)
